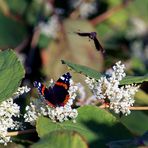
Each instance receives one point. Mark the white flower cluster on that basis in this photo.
(39, 107)
(9, 110)
(35, 109)
(86, 8)
(20, 91)
(50, 28)
(120, 98)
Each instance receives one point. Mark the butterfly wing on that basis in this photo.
(85, 34)
(58, 94)
(60, 89)
(98, 45)
(46, 93)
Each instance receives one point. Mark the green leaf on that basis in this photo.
(11, 73)
(96, 125)
(58, 139)
(129, 143)
(83, 69)
(113, 3)
(137, 5)
(43, 41)
(119, 19)
(95, 74)
(136, 122)
(104, 30)
(12, 32)
(141, 98)
(34, 9)
(138, 65)
(17, 6)
(11, 145)
(134, 79)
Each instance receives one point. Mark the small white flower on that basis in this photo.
(50, 28)
(120, 98)
(8, 110)
(86, 8)
(34, 110)
(20, 91)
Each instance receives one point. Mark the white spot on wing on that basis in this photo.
(63, 78)
(39, 84)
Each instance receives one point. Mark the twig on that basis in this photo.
(35, 37)
(22, 45)
(108, 13)
(138, 108)
(103, 106)
(21, 132)
(131, 108)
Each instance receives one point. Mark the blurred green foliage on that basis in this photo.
(124, 37)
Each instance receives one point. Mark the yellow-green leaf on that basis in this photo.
(11, 73)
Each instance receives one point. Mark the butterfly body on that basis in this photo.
(58, 94)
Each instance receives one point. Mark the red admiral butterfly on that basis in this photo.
(58, 94)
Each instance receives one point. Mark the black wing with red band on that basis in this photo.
(58, 94)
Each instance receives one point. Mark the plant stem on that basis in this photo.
(21, 132)
(131, 108)
(138, 108)
(108, 13)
